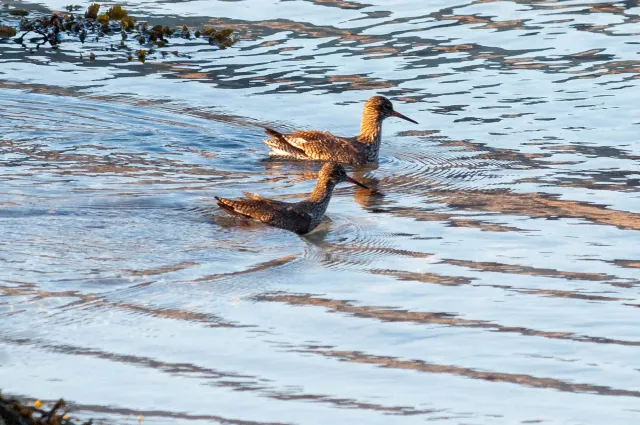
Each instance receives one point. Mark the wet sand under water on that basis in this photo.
(495, 281)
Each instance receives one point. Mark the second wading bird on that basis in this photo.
(324, 146)
(301, 217)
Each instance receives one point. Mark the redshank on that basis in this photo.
(301, 217)
(324, 146)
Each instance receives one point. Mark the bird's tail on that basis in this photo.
(274, 134)
(279, 147)
(229, 206)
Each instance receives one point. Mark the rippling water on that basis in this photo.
(494, 281)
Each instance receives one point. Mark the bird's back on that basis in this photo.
(275, 213)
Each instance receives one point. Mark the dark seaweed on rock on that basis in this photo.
(114, 21)
(13, 412)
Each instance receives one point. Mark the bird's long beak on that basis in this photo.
(399, 115)
(357, 183)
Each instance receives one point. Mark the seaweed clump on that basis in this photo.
(92, 11)
(103, 18)
(116, 13)
(13, 412)
(93, 25)
(127, 23)
(221, 38)
(18, 12)
(7, 32)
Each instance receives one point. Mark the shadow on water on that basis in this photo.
(494, 261)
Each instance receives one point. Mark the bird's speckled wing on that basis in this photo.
(323, 145)
(275, 213)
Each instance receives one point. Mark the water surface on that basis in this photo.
(495, 281)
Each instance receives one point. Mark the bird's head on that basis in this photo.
(383, 108)
(336, 173)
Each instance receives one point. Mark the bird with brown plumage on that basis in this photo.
(324, 146)
(301, 217)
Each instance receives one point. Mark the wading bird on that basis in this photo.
(324, 146)
(300, 217)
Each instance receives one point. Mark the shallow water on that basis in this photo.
(495, 280)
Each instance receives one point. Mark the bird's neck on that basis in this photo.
(370, 127)
(322, 192)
